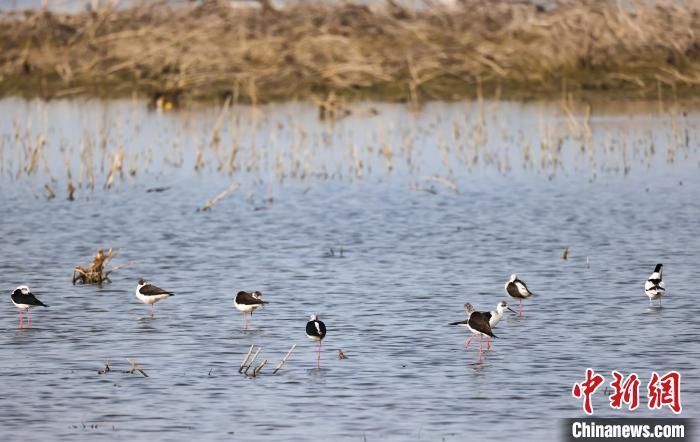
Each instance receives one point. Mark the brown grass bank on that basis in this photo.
(320, 50)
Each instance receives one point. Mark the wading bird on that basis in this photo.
(478, 324)
(654, 286)
(24, 299)
(248, 302)
(316, 331)
(518, 290)
(150, 294)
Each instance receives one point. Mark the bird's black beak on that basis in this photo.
(512, 310)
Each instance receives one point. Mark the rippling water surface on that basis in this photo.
(469, 194)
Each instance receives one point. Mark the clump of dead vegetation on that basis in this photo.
(318, 50)
(96, 273)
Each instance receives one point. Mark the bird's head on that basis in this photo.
(313, 317)
(513, 277)
(659, 268)
(502, 307)
(23, 289)
(469, 308)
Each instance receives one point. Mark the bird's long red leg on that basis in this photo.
(29, 320)
(481, 348)
(488, 343)
(466, 344)
(318, 361)
(21, 324)
(520, 310)
(153, 306)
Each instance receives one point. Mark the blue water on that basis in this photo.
(411, 259)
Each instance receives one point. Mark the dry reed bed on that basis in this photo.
(323, 50)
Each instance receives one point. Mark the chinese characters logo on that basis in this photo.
(661, 390)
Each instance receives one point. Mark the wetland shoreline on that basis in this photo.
(330, 52)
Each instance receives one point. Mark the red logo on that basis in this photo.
(625, 393)
(665, 390)
(587, 388)
(661, 390)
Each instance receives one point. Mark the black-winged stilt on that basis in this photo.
(24, 299)
(316, 331)
(248, 302)
(478, 324)
(654, 286)
(518, 290)
(150, 294)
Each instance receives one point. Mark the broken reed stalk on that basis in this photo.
(106, 369)
(215, 139)
(69, 176)
(257, 369)
(252, 361)
(208, 205)
(444, 181)
(49, 191)
(414, 186)
(240, 370)
(116, 165)
(284, 360)
(135, 367)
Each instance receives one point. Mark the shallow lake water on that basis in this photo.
(431, 208)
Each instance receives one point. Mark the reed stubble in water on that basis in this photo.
(249, 362)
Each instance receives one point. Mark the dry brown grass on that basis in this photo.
(96, 273)
(210, 49)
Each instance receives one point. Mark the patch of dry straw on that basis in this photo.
(214, 49)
